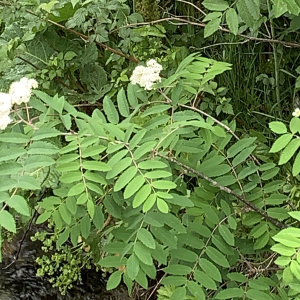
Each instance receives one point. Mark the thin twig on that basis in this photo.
(224, 189)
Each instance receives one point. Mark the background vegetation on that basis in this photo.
(192, 186)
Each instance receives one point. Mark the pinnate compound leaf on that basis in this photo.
(230, 293)
(114, 280)
(232, 20)
(146, 238)
(110, 110)
(7, 221)
(19, 204)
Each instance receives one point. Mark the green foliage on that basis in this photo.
(139, 181)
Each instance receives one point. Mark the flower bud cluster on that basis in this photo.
(19, 92)
(147, 76)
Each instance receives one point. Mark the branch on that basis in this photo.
(185, 22)
(85, 37)
(225, 189)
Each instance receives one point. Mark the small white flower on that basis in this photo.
(4, 121)
(21, 90)
(296, 113)
(5, 103)
(147, 76)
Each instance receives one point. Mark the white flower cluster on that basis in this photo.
(296, 113)
(147, 76)
(19, 92)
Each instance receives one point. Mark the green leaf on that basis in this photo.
(164, 184)
(11, 168)
(184, 254)
(295, 269)
(226, 234)
(196, 290)
(211, 27)
(289, 151)
(122, 103)
(176, 269)
(162, 205)
(295, 125)
(69, 55)
(119, 167)
(12, 153)
(242, 156)
(132, 95)
(57, 103)
(110, 110)
(44, 133)
(98, 218)
(179, 294)
(65, 213)
(258, 295)
(90, 207)
(85, 226)
(164, 236)
(217, 257)
(174, 280)
(114, 280)
(77, 189)
(218, 5)
(296, 165)
(43, 217)
(232, 20)
(142, 253)
(239, 146)
(28, 183)
(14, 137)
(281, 142)
(124, 179)
(157, 109)
(205, 280)
(234, 276)
(133, 186)
(141, 196)
(19, 204)
(37, 162)
(132, 266)
(137, 138)
(150, 201)
(210, 269)
(42, 147)
(278, 127)
(62, 238)
(283, 250)
(230, 293)
(143, 149)
(152, 164)
(146, 238)
(92, 151)
(96, 166)
(7, 221)
(174, 222)
(112, 262)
